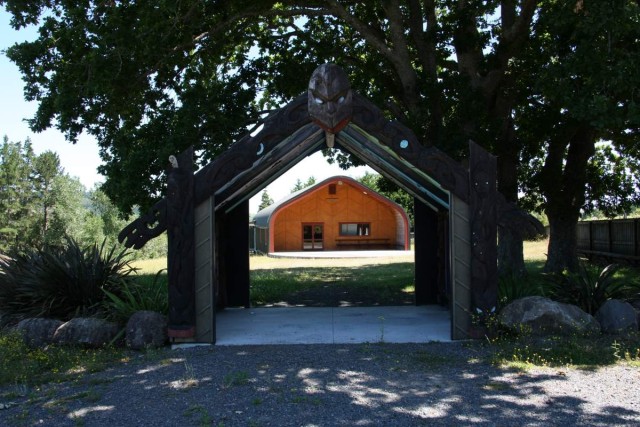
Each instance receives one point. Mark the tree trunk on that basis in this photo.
(510, 246)
(563, 242)
(563, 184)
(510, 254)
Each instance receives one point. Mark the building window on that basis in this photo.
(332, 189)
(355, 229)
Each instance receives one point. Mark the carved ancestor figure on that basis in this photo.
(330, 98)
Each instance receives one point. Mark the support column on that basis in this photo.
(181, 246)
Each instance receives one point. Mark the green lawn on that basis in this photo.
(341, 282)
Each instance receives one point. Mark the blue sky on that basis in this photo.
(82, 159)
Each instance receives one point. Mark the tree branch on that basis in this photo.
(401, 58)
(377, 41)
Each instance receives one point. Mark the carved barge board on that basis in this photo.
(242, 155)
(269, 166)
(373, 153)
(450, 174)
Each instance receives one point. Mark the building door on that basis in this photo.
(312, 237)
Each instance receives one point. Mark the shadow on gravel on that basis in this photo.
(327, 385)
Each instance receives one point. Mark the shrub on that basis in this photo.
(137, 295)
(60, 283)
(590, 287)
(512, 287)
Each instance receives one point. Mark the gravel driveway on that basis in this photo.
(329, 385)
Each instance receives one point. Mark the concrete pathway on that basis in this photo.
(341, 254)
(314, 325)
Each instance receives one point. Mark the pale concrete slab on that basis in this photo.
(326, 325)
(342, 254)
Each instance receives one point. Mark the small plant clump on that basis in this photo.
(512, 287)
(137, 295)
(590, 287)
(525, 351)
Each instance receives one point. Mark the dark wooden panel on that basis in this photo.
(427, 265)
(233, 256)
(484, 228)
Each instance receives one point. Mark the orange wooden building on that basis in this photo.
(336, 214)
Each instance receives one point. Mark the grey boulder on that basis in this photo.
(617, 317)
(86, 331)
(146, 329)
(38, 332)
(542, 316)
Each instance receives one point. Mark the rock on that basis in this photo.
(38, 332)
(86, 331)
(617, 317)
(146, 329)
(542, 316)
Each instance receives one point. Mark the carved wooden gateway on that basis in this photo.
(206, 213)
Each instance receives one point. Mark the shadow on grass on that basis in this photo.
(367, 285)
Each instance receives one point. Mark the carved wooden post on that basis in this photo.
(484, 228)
(181, 251)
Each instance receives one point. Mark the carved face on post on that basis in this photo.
(330, 98)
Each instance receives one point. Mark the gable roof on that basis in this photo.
(263, 217)
(288, 136)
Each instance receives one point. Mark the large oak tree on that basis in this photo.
(149, 78)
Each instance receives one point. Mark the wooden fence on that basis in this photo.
(618, 238)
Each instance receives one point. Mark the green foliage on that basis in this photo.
(18, 227)
(590, 287)
(137, 295)
(40, 205)
(265, 201)
(24, 365)
(233, 379)
(525, 352)
(391, 191)
(60, 282)
(69, 214)
(299, 185)
(512, 287)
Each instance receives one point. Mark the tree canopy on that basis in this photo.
(299, 185)
(41, 205)
(265, 200)
(536, 82)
